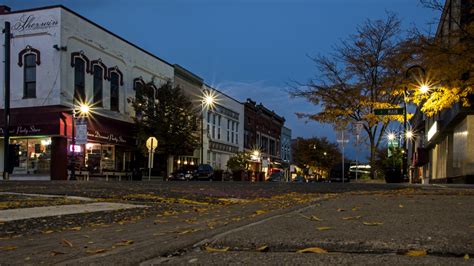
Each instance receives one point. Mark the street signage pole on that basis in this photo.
(6, 111)
(151, 144)
(358, 128)
(342, 141)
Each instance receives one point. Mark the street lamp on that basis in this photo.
(422, 88)
(208, 101)
(84, 110)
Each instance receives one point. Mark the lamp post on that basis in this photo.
(405, 150)
(84, 111)
(208, 101)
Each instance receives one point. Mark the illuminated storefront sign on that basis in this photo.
(433, 130)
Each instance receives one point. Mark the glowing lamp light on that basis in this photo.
(410, 134)
(391, 136)
(424, 88)
(84, 108)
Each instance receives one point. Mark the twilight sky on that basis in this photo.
(245, 48)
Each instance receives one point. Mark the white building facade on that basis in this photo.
(224, 124)
(58, 56)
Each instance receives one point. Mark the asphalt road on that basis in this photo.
(246, 223)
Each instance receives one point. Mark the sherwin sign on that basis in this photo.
(31, 22)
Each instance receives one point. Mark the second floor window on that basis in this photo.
(98, 85)
(114, 92)
(29, 86)
(79, 80)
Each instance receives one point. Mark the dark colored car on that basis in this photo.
(335, 175)
(204, 172)
(299, 179)
(185, 173)
(277, 177)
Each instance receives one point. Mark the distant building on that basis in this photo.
(262, 132)
(286, 145)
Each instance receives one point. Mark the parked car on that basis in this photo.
(299, 179)
(335, 175)
(185, 173)
(204, 172)
(277, 177)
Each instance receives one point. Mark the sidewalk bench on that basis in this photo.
(113, 173)
(84, 175)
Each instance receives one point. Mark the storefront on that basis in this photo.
(41, 140)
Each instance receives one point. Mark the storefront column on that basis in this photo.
(59, 158)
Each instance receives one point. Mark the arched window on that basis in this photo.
(114, 91)
(79, 80)
(98, 72)
(29, 74)
(138, 85)
(29, 58)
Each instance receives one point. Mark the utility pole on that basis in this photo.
(6, 130)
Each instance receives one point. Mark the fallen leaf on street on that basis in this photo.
(125, 243)
(400, 205)
(258, 212)
(355, 209)
(340, 210)
(416, 253)
(263, 248)
(315, 218)
(471, 226)
(372, 223)
(77, 228)
(324, 228)
(352, 217)
(466, 257)
(67, 243)
(55, 253)
(312, 250)
(47, 232)
(27, 258)
(210, 249)
(97, 251)
(8, 248)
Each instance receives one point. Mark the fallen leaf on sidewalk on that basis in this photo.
(8, 248)
(315, 218)
(416, 253)
(258, 212)
(55, 253)
(340, 210)
(372, 223)
(352, 217)
(312, 250)
(77, 228)
(47, 232)
(466, 257)
(324, 228)
(355, 209)
(400, 205)
(210, 249)
(263, 249)
(67, 243)
(97, 251)
(124, 243)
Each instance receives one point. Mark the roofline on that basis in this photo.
(207, 85)
(91, 22)
(184, 72)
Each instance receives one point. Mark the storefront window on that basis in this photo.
(34, 156)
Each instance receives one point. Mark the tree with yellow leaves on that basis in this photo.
(363, 73)
(448, 57)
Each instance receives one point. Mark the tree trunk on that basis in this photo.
(372, 158)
